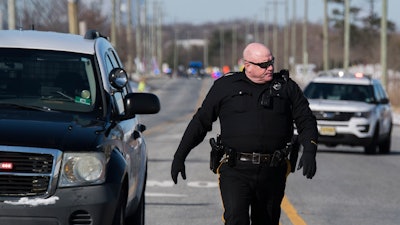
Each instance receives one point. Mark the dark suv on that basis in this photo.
(71, 144)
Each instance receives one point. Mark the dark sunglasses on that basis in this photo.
(263, 65)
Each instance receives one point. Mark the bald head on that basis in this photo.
(253, 55)
(255, 52)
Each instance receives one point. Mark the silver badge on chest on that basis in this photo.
(277, 86)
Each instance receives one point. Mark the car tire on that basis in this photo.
(371, 148)
(384, 146)
(138, 217)
(119, 215)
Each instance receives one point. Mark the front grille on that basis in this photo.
(333, 116)
(31, 174)
(23, 185)
(28, 162)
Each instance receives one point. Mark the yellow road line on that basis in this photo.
(291, 212)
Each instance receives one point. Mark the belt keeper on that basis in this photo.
(256, 159)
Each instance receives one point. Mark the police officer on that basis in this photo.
(256, 109)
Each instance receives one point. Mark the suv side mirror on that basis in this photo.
(141, 103)
(118, 78)
(384, 101)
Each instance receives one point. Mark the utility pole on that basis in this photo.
(326, 37)
(138, 34)
(256, 29)
(11, 15)
(73, 16)
(275, 32)
(159, 35)
(293, 37)
(221, 47)
(247, 32)
(266, 35)
(113, 24)
(153, 40)
(205, 52)
(176, 51)
(129, 36)
(305, 53)
(286, 37)
(384, 44)
(234, 45)
(346, 35)
(146, 39)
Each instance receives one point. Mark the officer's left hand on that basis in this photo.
(307, 160)
(178, 166)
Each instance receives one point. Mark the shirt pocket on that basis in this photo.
(241, 101)
(281, 105)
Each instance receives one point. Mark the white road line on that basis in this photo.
(153, 194)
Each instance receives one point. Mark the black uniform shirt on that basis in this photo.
(253, 117)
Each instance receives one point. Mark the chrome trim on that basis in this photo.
(55, 170)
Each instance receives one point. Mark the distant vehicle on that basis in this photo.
(71, 144)
(196, 69)
(351, 109)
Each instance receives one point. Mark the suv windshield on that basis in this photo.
(47, 79)
(331, 91)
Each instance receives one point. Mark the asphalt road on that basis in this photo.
(349, 187)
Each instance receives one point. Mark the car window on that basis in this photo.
(332, 91)
(380, 92)
(52, 79)
(111, 61)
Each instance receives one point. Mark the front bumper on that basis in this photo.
(93, 205)
(344, 139)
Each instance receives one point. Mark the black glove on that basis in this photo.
(178, 165)
(308, 161)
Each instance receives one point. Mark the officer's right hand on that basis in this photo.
(178, 165)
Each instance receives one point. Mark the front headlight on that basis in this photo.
(82, 169)
(363, 114)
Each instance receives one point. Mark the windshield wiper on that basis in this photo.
(39, 108)
(61, 96)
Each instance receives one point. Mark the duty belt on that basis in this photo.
(255, 158)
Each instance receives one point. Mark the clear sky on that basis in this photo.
(201, 11)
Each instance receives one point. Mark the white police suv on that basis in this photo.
(71, 144)
(351, 109)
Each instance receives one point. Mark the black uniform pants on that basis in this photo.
(255, 188)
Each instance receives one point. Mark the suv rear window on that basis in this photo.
(332, 91)
(51, 79)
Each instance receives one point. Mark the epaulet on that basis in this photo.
(230, 74)
(283, 74)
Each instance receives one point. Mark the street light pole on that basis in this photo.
(326, 37)
(305, 53)
(384, 43)
(346, 35)
(73, 16)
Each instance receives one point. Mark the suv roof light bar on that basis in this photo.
(341, 73)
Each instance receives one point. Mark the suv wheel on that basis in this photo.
(384, 146)
(119, 216)
(371, 148)
(138, 217)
